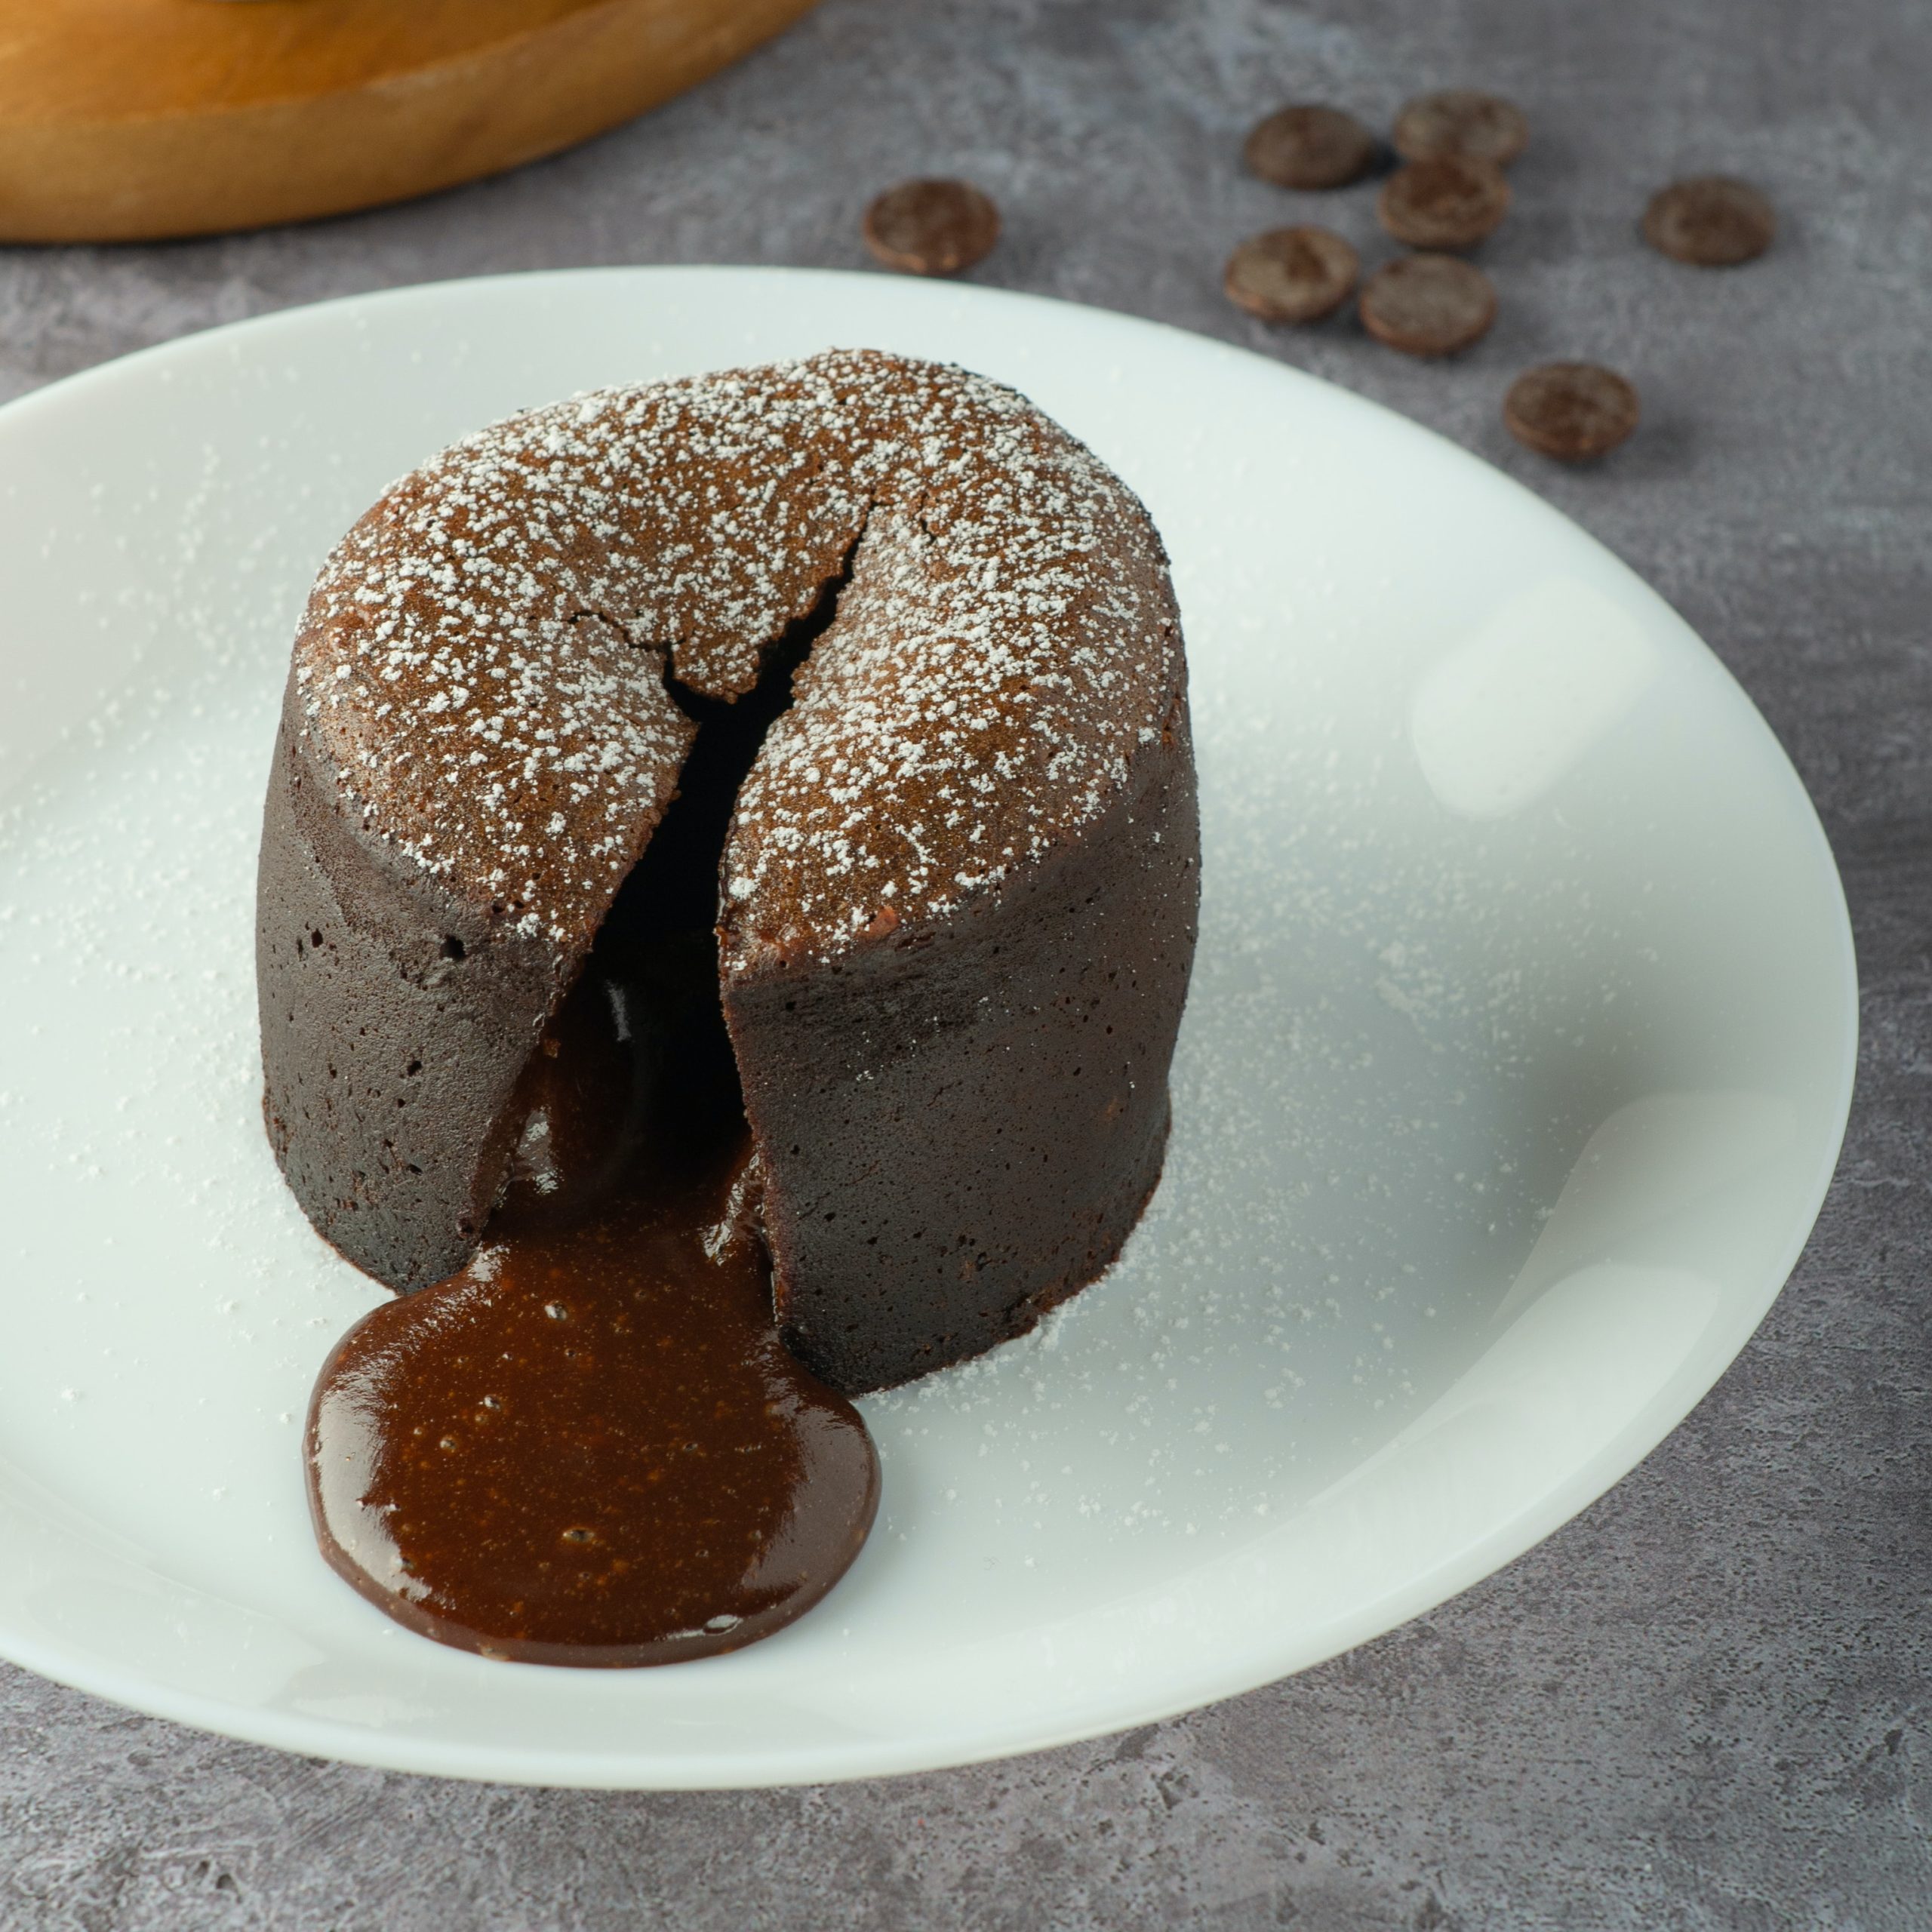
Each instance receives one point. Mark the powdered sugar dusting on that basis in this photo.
(1006, 643)
(484, 660)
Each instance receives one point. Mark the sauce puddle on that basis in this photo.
(589, 1445)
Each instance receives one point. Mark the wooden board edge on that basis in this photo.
(390, 140)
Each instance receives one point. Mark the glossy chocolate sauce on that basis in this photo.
(589, 1445)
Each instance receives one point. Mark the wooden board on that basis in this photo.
(125, 120)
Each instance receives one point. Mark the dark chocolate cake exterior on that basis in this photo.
(957, 900)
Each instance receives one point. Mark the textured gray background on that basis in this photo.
(1702, 1704)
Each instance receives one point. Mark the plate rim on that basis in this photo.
(879, 1756)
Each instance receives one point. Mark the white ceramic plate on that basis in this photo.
(1518, 1056)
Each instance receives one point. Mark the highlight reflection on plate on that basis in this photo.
(1514, 1071)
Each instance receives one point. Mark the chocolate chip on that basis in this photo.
(1309, 147)
(1451, 202)
(1427, 305)
(1291, 275)
(1711, 221)
(932, 227)
(1574, 411)
(1461, 121)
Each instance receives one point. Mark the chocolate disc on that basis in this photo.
(932, 227)
(1461, 121)
(1309, 147)
(1428, 305)
(1451, 202)
(1574, 411)
(1291, 275)
(1710, 221)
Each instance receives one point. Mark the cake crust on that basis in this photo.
(984, 779)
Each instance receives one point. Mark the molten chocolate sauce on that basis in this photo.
(589, 1446)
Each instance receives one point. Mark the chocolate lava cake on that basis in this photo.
(892, 664)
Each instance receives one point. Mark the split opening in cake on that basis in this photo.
(636, 1071)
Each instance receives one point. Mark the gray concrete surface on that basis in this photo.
(1704, 1704)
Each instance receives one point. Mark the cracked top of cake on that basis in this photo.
(484, 660)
